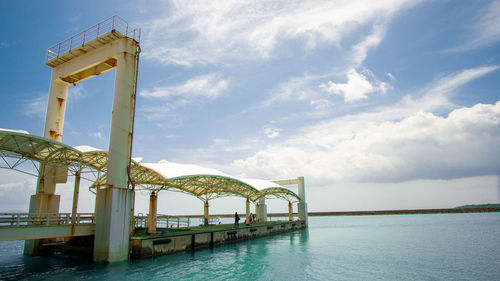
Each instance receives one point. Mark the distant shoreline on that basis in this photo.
(407, 212)
(459, 210)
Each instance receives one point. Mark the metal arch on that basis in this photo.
(220, 186)
(204, 187)
(26, 147)
(17, 148)
(96, 159)
(140, 175)
(37, 148)
(279, 193)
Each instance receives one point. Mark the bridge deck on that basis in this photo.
(45, 231)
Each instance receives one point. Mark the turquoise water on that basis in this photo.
(398, 247)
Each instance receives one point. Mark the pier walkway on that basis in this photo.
(25, 226)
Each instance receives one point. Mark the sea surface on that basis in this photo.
(394, 247)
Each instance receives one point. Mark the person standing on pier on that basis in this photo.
(236, 219)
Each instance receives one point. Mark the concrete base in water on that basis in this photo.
(167, 243)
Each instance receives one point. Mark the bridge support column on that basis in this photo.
(153, 199)
(247, 208)
(262, 209)
(302, 206)
(290, 211)
(257, 211)
(111, 242)
(114, 204)
(205, 213)
(45, 200)
(76, 192)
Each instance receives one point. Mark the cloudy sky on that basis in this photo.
(378, 104)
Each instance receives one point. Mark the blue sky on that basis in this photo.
(378, 104)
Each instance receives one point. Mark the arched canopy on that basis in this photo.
(269, 189)
(17, 147)
(204, 183)
(93, 157)
(22, 146)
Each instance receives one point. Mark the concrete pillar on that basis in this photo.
(262, 209)
(112, 232)
(97, 188)
(45, 200)
(76, 192)
(153, 199)
(74, 209)
(205, 213)
(111, 240)
(248, 212)
(257, 211)
(290, 211)
(302, 206)
(132, 215)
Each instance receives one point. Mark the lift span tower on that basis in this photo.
(105, 46)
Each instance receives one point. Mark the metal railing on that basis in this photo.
(27, 219)
(164, 221)
(91, 33)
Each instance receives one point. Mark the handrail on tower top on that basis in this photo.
(91, 33)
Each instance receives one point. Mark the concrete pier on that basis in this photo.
(146, 246)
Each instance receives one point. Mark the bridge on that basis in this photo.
(26, 226)
(116, 176)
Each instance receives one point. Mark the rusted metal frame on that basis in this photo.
(278, 192)
(86, 32)
(14, 144)
(148, 187)
(89, 171)
(196, 188)
(93, 159)
(66, 154)
(222, 179)
(18, 162)
(7, 142)
(21, 171)
(281, 197)
(144, 175)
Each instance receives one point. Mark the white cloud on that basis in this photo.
(271, 132)
(205, 86)
(438, 93)
(420, 146)
(220, 141)
(400, 142)
(357, 87)
(211, 32)
(15, 190)
(295, 88)
(97, 135)
(391, 76)
(76, 92)
(485, 31)
(360, 51)
(36, 107)
(195, 90)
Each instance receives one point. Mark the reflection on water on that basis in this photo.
(401, 247)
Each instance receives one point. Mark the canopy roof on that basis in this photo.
(269, 189)
(204, 183)
(22, 146)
